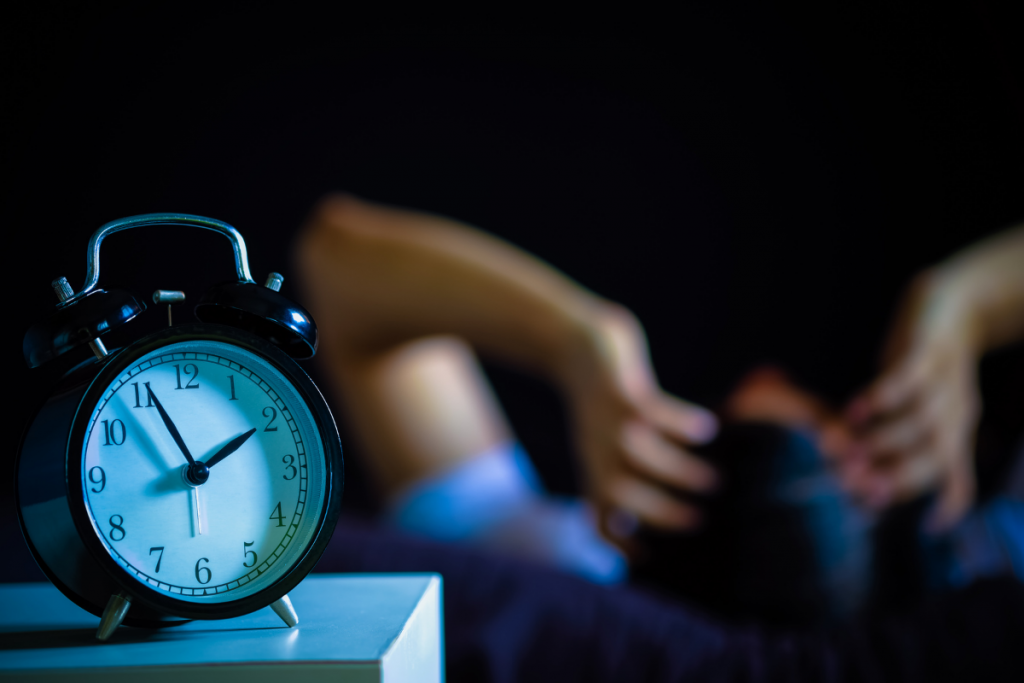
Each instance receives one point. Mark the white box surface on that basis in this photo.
(353, 627)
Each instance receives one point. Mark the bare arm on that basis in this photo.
(917, 421)
(382, 280)
(399, 275)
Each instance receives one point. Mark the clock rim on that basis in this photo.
(324, 422)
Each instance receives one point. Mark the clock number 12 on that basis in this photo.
(194, 373)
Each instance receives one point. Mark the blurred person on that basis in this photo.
(403, 299)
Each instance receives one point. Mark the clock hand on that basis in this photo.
(196, 473)
(230, 447)
(199, 511)
(170, 427)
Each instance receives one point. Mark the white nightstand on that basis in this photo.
(353, 627)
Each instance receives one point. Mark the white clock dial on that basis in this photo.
(251, 520)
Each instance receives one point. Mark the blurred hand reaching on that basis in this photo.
(631, 436)
(914, 426)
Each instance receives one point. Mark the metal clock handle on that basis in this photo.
(92, 273)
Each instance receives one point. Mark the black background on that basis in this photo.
(756, 181)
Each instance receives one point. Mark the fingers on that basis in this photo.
(913, 457)
(650, 454)
(915, 428)
(955, 498)
(678, 418)
(643, 465)
(898, 480)
(890, 394)
(919, 436)
(649, 503)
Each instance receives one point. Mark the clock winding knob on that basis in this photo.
(62, 288)
(274, 282)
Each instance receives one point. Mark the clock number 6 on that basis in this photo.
(116, 530)
(247, 553)
(209, 574)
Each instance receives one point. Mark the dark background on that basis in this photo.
(756, 181)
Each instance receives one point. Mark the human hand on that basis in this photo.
(913, 428)
(632, 436)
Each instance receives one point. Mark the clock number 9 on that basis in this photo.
(116, 530)
(209, 574)
(247, 553)
(102, 481)
(288, 460)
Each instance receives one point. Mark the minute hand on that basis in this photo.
(230, 447)
(170, 427)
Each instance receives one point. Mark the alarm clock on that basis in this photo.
(195, 473)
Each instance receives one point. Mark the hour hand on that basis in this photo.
(170, 426)
(230, 447)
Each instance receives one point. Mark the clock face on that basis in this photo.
(242, 527)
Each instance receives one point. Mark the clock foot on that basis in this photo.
(283, 608)
(113, 615)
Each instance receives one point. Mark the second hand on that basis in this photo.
(199, 513)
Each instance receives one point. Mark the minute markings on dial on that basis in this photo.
(270, 551)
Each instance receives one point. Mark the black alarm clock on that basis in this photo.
(195, 473)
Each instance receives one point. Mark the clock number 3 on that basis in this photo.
(288, 460)
(247, 553)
